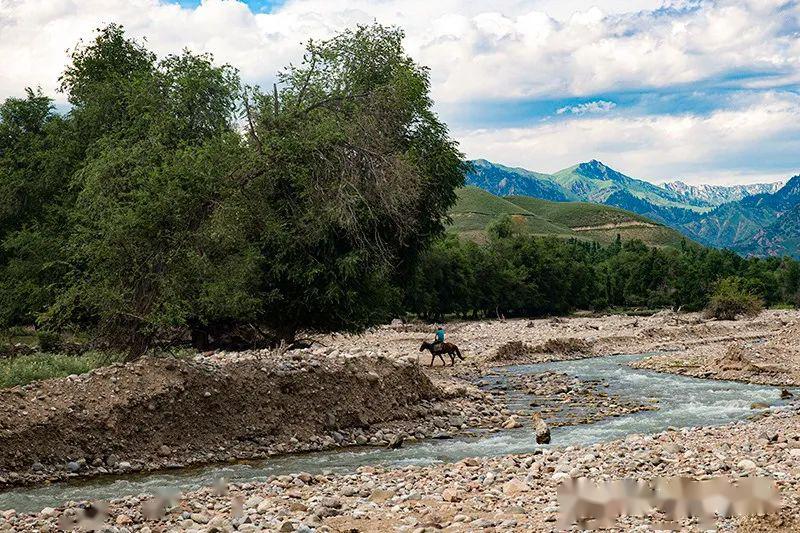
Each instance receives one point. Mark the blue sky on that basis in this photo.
(257, 6)
(700, 90)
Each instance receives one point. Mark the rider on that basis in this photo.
(439, 340)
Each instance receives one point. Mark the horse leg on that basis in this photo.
(433, 358)
(452, 359)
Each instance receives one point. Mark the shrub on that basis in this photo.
(567, 346)
(511, 350)
(730, 300)
(49, 341)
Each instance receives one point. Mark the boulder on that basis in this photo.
(396, 442)
(514, 487)
(541, 428)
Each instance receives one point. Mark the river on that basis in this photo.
(683, 402)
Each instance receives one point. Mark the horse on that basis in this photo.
(443, 348)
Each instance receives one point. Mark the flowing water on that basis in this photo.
(682, 401)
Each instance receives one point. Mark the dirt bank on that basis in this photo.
(156, 412)
(772, 359)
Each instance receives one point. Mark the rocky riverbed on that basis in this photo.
(375, 389)
(505, 493)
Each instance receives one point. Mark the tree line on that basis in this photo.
(521, 275)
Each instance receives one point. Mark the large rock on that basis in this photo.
(512, 423)
(541, 428)
(514, 487)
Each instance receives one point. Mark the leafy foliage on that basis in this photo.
(731, 300)
(515, 274)
(171, 201)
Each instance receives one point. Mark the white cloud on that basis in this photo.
(493, 50)
(477, 48)
(597, 106)
(755, 142)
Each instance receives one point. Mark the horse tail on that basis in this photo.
(458, 352)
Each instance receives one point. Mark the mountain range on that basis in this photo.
(719, 194)
(755, 220)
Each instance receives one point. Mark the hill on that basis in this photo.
(758, 225)
(592, 181)
(596, 182)
(745, 218)
(779, 238)
(477, 208)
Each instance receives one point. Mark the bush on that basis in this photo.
(511, 350)
(49, 341)
(566, 346)
(731, 300)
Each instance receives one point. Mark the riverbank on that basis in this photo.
(504, 493)
(167, 413)
(374, 389)
(773, 359)
(498, 342)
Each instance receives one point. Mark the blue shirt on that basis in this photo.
(440, 335)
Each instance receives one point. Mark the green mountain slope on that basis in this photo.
(760, 225)
(779, 238)
(730, 223)
(751, 224)
(503, 181)
(594, 181)
(477, 208)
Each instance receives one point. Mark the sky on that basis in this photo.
(698, 90)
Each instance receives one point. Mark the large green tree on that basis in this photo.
(186, 203)
(352, 176)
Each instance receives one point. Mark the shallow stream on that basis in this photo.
(682, 401)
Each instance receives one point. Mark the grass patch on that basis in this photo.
(29, 368)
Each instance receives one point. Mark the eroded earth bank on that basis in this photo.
(376, 390)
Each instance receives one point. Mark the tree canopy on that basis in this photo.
(172, 200)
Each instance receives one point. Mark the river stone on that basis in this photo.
(746, 464)
(199, 518)
(558, 477)
(451, 494)
(380, 496)
(395, 442)
(541, 428)
(514, 487)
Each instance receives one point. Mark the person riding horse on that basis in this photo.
(438, 341)
(439, 348)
